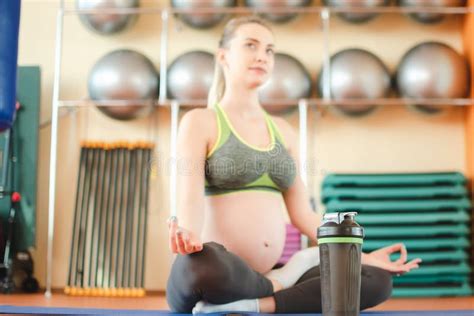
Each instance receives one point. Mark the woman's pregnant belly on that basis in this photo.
(249, 224)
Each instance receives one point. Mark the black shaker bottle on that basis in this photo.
(340, 242)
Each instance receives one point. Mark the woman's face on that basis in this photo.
(249, 57)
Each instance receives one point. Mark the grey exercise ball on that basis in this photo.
(190, 76)
(107, 23)
(290, 80)
(355, 17)
(277, 17)
(202, 20)
(432, 70)
(356, 74)
(124, 75)
(425, 17)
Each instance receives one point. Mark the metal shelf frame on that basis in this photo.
(314, 102)
(274, 9)
(165, 12)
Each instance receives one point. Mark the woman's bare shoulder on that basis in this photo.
(198, 115)
(199, 122)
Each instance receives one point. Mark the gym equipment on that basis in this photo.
(434, 179)
(124, 75)
(202, 20)
(432, 70)
(292, 244)
(106, 23)
(6, 268)
(23, 269)
(190, 76)
(277, 17)
(428, 212)
(449, 289)
(290, 80)
(414, 244)
(110, 219)
(13, 261)
(430, 18)
(391, 193)
(446, 230)
(18, 149)
(340, 241)
(10, 23)
(456, 216)
(397, 205)
(355, 73)
(446, 255)
(355, 17)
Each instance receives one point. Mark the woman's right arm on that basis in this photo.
(192, 140)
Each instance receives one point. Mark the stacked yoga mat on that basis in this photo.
(428, 212)
(110, 220)
(292, 244)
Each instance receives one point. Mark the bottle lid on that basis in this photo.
(340, 224)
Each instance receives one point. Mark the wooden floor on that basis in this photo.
(157, 301)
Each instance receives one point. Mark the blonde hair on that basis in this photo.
(216, 92)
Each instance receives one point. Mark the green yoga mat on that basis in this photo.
(433, 256)
(460, 268)
(430, 279)
(458, 216)
(330, 193)
(394, 205)
(416, 231)
(395, 179)
(422, 291)
(415, 244)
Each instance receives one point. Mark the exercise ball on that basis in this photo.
(124, 75)
(356, 74)
(432, 70)
(107, 23)
(355, 17)
(277, 17)
(290, 80)
(190, 76)
(425, 17)
(202, 20)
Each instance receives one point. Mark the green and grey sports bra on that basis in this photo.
(234, 165)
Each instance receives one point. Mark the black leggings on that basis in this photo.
(219, 276)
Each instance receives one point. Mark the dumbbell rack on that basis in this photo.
(303, 104)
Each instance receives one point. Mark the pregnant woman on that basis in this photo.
(238, 172)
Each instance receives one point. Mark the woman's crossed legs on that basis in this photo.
(218, 276)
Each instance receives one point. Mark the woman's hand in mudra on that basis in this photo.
(181, 240)
(381, 258)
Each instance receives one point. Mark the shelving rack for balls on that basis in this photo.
(326, 99)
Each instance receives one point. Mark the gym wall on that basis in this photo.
(393, 139)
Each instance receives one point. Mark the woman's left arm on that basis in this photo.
(299, 209)
(297, 199)
(307, 222)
